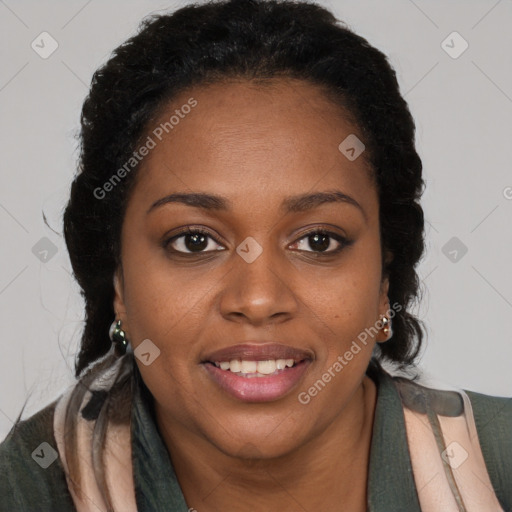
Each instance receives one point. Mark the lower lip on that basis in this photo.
(258, 389)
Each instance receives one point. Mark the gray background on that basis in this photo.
(462, 107)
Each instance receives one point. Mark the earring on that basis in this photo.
(386, 329)
(118, 338)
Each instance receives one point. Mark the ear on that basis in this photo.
(383, 306)
(384, 287)
(384, 299)
(119, 305)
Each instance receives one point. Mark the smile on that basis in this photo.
(256, 368)
(258, 373)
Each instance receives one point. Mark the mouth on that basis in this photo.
(250, 369)
(258, 372)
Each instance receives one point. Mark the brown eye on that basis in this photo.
(192, 241)
(320, 241)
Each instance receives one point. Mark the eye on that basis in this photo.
(197, 241)
(321, 240)
(191, 241)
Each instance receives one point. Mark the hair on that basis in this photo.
(216, 42)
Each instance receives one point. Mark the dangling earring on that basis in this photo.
(386, 329)
(118, 338)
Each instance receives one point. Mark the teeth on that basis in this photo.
(266, 367)
(248, 366)
(235, 366)
(256, 368)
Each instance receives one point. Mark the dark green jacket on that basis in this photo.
(26, 486)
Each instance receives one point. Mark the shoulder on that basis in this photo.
(492, 412)
(493, 420)
(32, 474)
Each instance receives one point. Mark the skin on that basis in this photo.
(256, 145)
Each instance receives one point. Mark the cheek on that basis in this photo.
(346, 306)
(160, 301)
(164, 310)
(348, 293)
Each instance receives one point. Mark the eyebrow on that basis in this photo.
(292, 204)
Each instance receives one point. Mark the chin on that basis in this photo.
(253, 450)
(257, 443)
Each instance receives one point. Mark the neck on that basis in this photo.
(330, 469)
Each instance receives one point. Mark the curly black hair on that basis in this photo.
(217, 41)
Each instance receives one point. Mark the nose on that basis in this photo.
(259, 292)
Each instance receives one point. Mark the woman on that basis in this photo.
(245, 228)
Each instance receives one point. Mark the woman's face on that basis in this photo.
(256, 285)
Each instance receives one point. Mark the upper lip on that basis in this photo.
(257, 351)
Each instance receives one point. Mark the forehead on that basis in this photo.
(251, 142)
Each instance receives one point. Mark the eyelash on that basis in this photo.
(344, 242)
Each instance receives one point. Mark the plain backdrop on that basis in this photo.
(462, 105)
